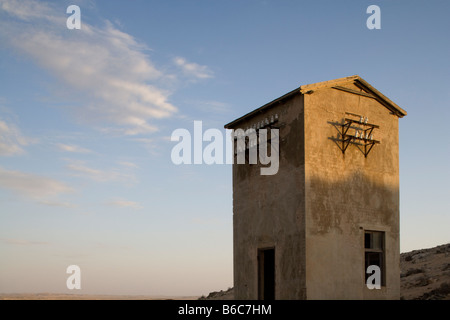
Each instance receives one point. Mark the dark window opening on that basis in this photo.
(266, 274)
(374, 253)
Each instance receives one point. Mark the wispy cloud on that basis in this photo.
(11, 139)
(29, 10)
(148, 141)
(192, 69)
(80, 169)
(110, 67)
(23, 242)
(128, 164)
(72, 148)
(57, 204)
(34, 186)
(150, 144)
(126, 204)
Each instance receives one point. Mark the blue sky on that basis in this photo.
(86, 116)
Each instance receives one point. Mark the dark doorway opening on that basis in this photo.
(266, 274)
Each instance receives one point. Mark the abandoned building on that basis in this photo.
(311, 230)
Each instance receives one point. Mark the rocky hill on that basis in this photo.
(219, 295)
(425, 275)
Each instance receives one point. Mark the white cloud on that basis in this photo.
(28, 10)
(113, 174)
(72, 148)
(11, 139)
(109, 67)
(31, 185)
(126, 204)
(193, 69)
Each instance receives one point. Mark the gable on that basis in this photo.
(353, 85)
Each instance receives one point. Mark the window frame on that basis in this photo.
(372, 250)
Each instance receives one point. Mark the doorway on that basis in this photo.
(266, 274)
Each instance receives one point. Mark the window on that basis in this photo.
(374, 253)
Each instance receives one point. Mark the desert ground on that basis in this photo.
(425, 275)
(63, 296)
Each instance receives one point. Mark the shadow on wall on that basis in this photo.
(335, 203)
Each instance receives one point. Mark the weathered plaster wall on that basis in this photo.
(269, 210)
(347, 194)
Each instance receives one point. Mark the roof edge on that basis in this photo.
(264, 107)
(309, 88)
(385, 100)
(325, 84)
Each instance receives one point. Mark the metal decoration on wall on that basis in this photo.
(357, 131)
